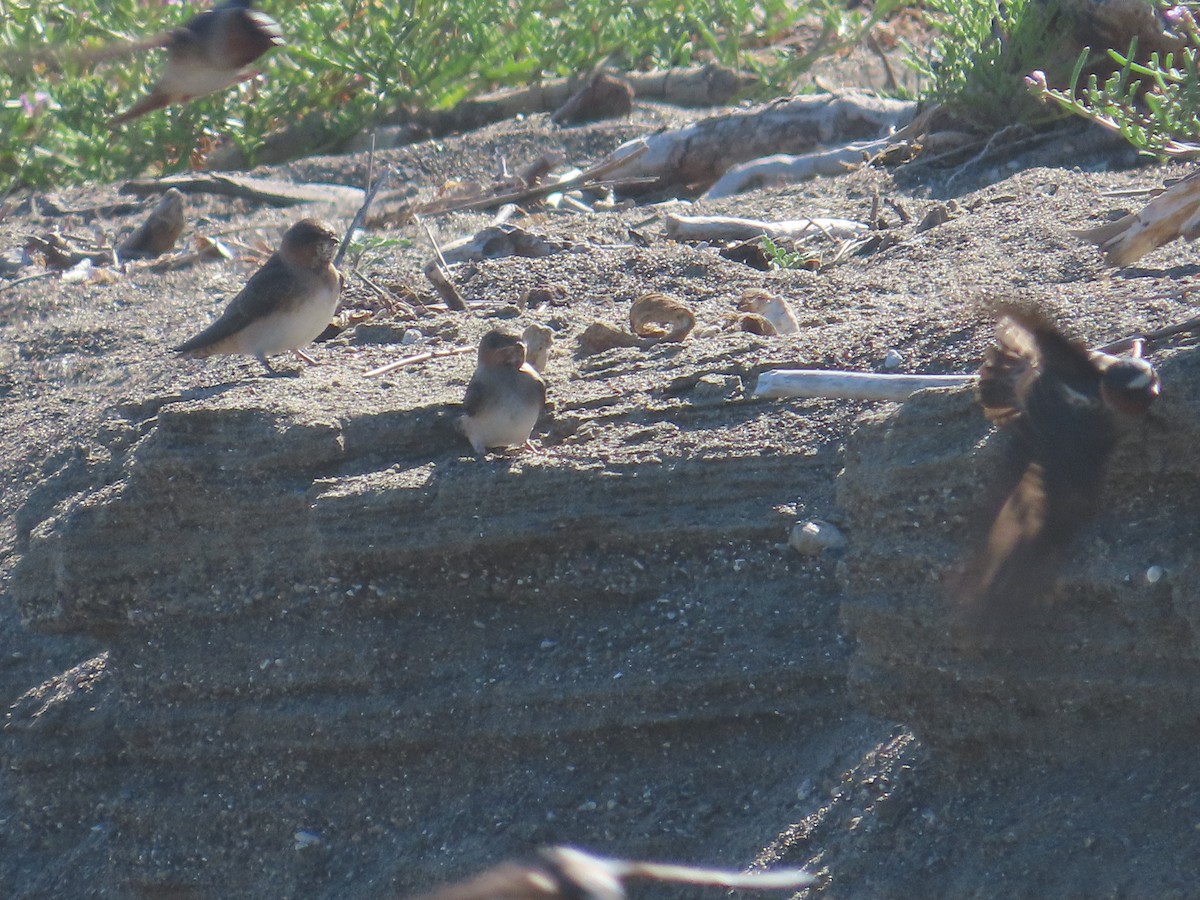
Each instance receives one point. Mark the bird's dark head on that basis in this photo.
(310, 243)
(500, 349)
(1129, 385)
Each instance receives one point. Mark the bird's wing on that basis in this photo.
(269, 289)
(479, 391)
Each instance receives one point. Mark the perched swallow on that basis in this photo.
(504, 397)
(208, 53)
(284, 305)
(564, 873)
(159, 232)
(1061, 403)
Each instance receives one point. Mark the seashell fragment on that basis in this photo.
(661, 318)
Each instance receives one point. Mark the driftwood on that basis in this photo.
(1172, 214)
(711, 85)
(604, 96)
(730, 228)
(498, 241)
(274, 191)
(819, 383)
(61, 252)
(438, 273)
(700, 153)
(784, 169)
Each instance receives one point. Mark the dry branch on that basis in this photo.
(710, 85)
(417, 358)
(274, 191)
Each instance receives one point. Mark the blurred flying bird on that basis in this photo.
(564, 873)
(1061, 403)
(208, 53)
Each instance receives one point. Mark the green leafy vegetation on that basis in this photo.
(347, 64)
(1155, 106)
(982, 51)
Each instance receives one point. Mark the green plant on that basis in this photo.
(347, 65)
(983, 50)
(1155, 106)
(783, 258)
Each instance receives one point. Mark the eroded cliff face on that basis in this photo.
(341, 651)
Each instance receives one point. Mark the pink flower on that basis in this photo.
(35, 104)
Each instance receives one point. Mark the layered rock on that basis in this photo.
(325, 631)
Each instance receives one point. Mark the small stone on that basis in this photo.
(305, 839)
(1154, 574)
(714, 389)
(815, 537)
(893, 360)
(412, 336)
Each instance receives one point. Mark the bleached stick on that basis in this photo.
(733, 228)
(417, 358)
(821, 383)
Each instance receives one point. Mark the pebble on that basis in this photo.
(714, 389)
(306, 839)
(893, 360)
(816, 536)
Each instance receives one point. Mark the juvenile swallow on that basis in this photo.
(284, 305)
(1062, 404)
(565, 873)
(208, 53)
(504, 397)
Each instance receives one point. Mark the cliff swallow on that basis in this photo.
(564, 873)
(208, 53)
(504, 397)
(284, 305)
(1062, 404)
(159, 232)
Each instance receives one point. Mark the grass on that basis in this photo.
(348, 63)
